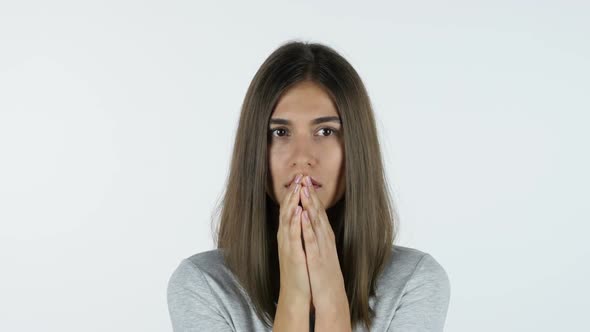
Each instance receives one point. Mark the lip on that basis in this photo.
(314, 182)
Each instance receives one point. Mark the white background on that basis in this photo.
(117, 121)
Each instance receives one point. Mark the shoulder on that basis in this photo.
(411, 268)
(196, 271)
(414, 290)
(199, 296)
(420, 261)
(210, 261)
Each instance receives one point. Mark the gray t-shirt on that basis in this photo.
(412, 294)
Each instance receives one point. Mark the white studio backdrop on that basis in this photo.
(117, 121)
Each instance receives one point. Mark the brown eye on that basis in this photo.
(282, 132)
(272, 131)
(329, 130)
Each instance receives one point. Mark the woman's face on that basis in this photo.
(305, 138)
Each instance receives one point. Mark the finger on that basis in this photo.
(283, 210)
(287, 210)
(289, 195)
(309, 236)
(294, 199)
(313, 196)
(317, 213)
(290, 203)
(295, 227)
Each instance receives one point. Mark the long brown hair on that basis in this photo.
(364, 220)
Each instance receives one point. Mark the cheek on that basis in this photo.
(335, 158)
(276, 170)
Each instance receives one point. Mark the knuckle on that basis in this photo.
(308, 235)
(293, 232)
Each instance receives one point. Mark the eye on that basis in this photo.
(272, 131)
(327, 130)
(330, 130)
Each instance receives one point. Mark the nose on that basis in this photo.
(303, 154)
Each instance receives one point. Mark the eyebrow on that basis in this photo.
(313, 122)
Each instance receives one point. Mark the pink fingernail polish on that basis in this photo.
(298, 178)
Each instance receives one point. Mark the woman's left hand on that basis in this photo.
(325, 276)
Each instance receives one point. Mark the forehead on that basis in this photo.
(305, 99)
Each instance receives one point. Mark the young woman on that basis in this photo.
(305, 239)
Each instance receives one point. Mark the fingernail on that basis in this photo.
(308, 180)
(306, 191)
(298, 178)
(297, 210)
(297, 186)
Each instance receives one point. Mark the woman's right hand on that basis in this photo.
(294, 277)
